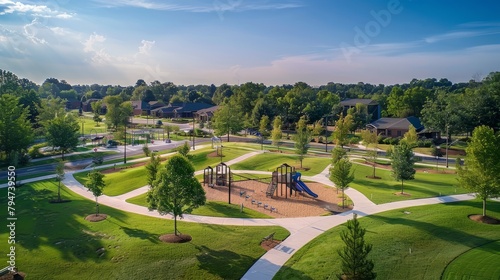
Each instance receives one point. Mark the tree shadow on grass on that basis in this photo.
(142, 234)
(446, 233)
(223, 263)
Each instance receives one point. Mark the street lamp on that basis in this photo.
(438, 150)
(447, 136)
(221, 152)
(326, 134)
(193, 129)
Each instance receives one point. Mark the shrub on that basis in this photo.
(34, 151)
(146, 150)
(380, 139)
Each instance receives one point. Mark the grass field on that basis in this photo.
(213, 209)
(53, 241)
(435, 234)
(270, 161)
(383, 190)
(482, 262)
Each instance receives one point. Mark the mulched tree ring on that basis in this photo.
(96, 218)
(172, 238)
(484, 219)
(402, 194)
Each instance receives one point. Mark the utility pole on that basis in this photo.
(447, 136)
(326, 134)
(125, 150)
(193, 131)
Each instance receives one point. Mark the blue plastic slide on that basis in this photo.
(302, 185)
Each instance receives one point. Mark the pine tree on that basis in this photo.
(355, 264)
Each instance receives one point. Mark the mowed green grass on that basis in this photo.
(212, 209)
(383, 190)
(129, 179)
(482, 262)
(53, 241)
(270, 161)
(435, 234)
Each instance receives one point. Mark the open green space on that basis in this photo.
(384, 190)
(53, 241)
(270, 161)
(129, 179)
(418, 244)
(482, 262)
(212, 208)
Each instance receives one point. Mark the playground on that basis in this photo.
(282, 194)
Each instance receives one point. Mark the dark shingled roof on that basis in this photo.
(397, 123)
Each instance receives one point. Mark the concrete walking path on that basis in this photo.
(302, 230)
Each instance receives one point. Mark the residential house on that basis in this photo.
(395, 127)
(205, 115)
(180, 110)
(372, 105)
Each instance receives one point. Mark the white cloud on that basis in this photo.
(33, 30)
(207, 7)
(89, 44)
(11, 7)
(146, 46)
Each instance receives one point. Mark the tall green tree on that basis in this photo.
(402, 163)
(176, 191)
(49, 109)
(16, 133)
(96, 184)
(277, 133)
(228, 118)
(302, 139)
(62, 132)
(481, 172)
(355, 264)
(337, 154)
(118, 111)
(263, 125)
(341, 176)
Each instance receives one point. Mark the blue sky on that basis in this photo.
(236, 41)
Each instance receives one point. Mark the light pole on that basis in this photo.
(326, 134)
(193, 130)
(125, 146)
(438, 150)
(221, 152)
(447, 136)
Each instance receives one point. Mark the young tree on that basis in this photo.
(411, 136)
(302, 139)
(146, 150)
(370, 138)
(341, 175)
(342, 128)
(263, 124)
(228, 118)
(171, 128)
(152, 169)
(96, 184)
(62, 132)
(277, 134)
(337, 154)
(96, 108)
(59, 178)
(354, 256)
(402, 163)
(176, 191)
(317, 130)
(481, 172)
(184, 149)
(49, 109)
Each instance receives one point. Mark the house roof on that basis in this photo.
(139, 105)
(354, 101)
(397, 123)
(192, 107)
(208, 111)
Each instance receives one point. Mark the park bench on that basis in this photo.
(269, 237)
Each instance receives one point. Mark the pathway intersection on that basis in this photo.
(302, 230)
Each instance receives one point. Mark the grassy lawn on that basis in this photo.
(21, 178)
(436, 235)
(213, 209)
(124, 246)
(382, 190)
(129, 179)
(270, 161)
(69, 157)
(123, 181)
(481, 263)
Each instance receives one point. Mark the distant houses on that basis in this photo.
(373, 107)
(397, 127)
(179, 110)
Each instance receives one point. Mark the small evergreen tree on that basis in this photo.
(355, 264)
